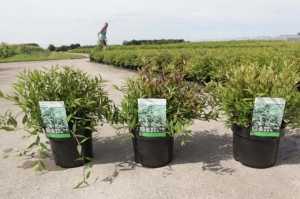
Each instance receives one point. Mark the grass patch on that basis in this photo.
(41, 56)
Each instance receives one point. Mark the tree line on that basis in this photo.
(154, 41)
(51, 47)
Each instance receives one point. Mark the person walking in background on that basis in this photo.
(102, 36)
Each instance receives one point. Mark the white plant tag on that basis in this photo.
(152, 117)
(55, 119)
(267, 116)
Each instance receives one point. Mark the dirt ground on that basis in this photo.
(203, 168)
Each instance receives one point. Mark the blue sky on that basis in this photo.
(69, 21)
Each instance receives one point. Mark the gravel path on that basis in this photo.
(203, 168)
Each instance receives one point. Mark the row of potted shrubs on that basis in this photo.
(87, 104)
(203, 64)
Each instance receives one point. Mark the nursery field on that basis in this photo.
(203, 61)
(202, 168)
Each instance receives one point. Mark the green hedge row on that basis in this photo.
(202, 64)
(11, 50)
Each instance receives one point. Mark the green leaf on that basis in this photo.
(31, 145)
(12, 121)
(39, 166)
(79, 148)
(84, 140)
(37, 140)
(44, 146)
(25, 119)
(78, 185)
(69, 117)
(1, 94)
(88, 174)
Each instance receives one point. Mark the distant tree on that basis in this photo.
(299, 33)
(155, 41)
(63, 48)
(31, 44)
(51, 47)
(73, 46)
(66, 48)
(7, 51)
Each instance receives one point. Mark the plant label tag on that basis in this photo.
(267, 116)
(152, 114)
(55, 119)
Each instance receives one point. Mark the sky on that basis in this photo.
(71, 21)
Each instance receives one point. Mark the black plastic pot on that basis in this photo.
(152, 151)
(65, 150)
(257, 152)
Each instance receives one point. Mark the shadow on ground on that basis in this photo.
(207, 147)
(113, 149)
(5, 69)
(289, 149)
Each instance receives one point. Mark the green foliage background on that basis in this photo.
(205, 61)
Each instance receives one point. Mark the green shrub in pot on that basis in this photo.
(84, 97)
(236, 95)
(244, 83)
(185, 101)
